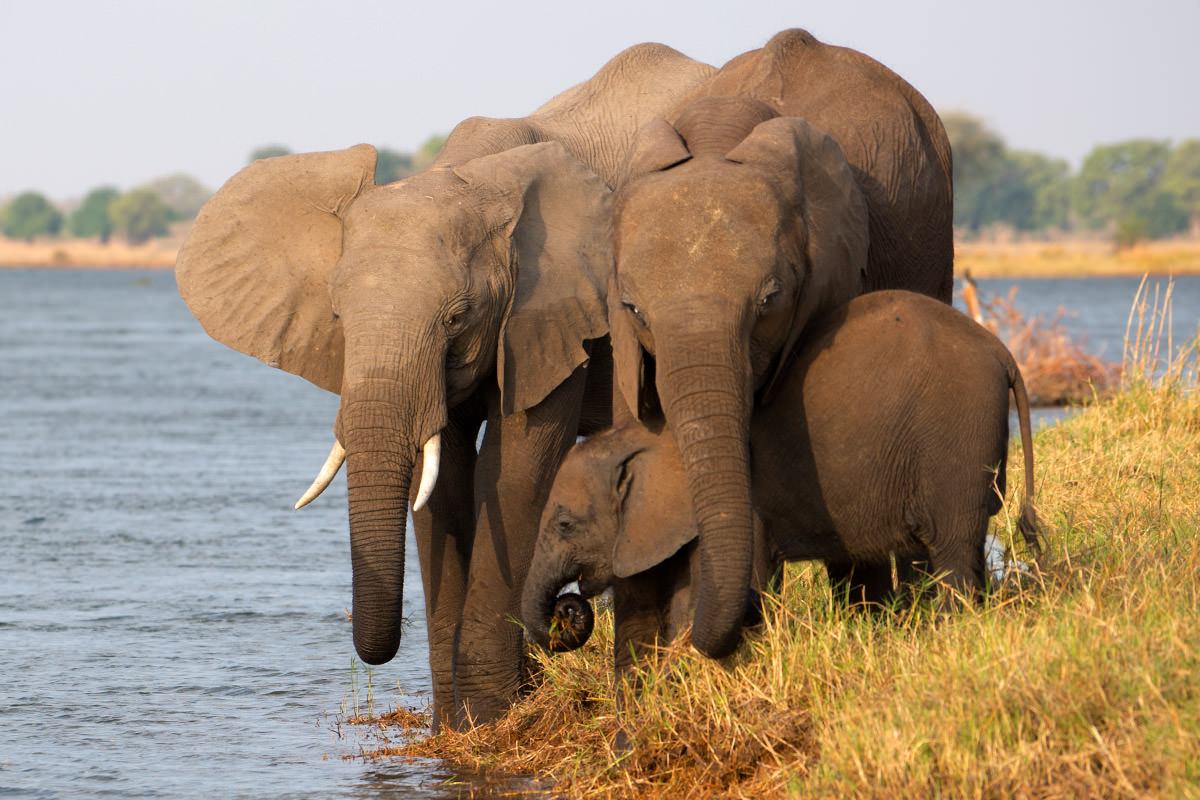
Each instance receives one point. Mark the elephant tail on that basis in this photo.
(1027, 524)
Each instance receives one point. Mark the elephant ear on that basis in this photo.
(558, 215)
(629, 369)
(654, 509)
(656, 147)
(255, 267)
(833, 211)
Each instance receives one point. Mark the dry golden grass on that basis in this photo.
(1083, 682)
(1075, 258)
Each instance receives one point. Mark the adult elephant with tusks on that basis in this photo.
(799, 176)
(472, 292)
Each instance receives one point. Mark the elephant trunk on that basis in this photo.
(549, 573)
(378, 473)
(390, 408)
(705, 389)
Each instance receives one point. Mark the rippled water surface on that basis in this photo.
(169, 626)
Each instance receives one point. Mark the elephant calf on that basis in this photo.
(888, 435)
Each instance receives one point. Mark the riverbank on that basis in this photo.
(1075, 259)
(1081, 681)
(93, 254)
(983, 259)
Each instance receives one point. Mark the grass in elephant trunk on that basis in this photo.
(1083, 682)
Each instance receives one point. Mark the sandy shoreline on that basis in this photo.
(982, 259)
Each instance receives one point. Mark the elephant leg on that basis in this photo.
(954, 540)
(644, 608)
(516, 465)
(864, 583)
(445, 530)
(640, 613)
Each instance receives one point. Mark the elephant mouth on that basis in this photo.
(571, 623)
(585, 586)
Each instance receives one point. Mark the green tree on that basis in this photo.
(92, 218)
(1046, 191)
(139, 215)
(428, 152)
(392, 165)
(182, 194)
(1122, 184)
(269, 151)
(1182, 181)
(29, 215)
(980, 169)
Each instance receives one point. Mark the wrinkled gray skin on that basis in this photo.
(889, 435)
(471, 292)
(800, 176)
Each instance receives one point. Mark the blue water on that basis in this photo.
(169, 626)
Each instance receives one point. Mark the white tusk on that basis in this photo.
(429, 470)
(337, 457)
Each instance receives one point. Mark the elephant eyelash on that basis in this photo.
(768, 294)
(456, 316)
(634, 310)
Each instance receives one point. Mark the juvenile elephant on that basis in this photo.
(798, 177)
(471, 292)
(889, 435)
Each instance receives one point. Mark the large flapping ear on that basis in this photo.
(255, 267)
(657, 146)
(654, 509)
(833, 211)
(561, 242)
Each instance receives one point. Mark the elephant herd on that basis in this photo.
(733, 282)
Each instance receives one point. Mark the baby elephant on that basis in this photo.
(887, 435)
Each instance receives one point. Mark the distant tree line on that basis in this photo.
(1139, 189)
(146, 212)
(137, 215)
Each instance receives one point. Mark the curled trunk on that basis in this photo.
(547, 576)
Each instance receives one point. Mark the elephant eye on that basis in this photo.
(456, 317)
(770, 291)
(634, 310)
(565, 524)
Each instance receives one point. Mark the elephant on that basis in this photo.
(800, 176)
(620, 502)
(888, 436)
(470, 293)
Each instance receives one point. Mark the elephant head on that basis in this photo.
(618, 507)
(734, 229)
(404, 298)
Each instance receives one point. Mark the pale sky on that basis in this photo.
(126, 91)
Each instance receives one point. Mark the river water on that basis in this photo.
(169, 626)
